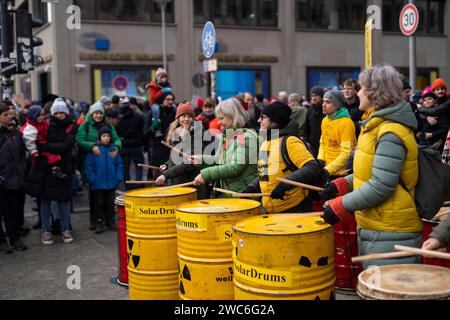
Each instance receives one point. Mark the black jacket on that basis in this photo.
(313, 127)
(40, 181)
(439, 132)
(131, 129)
(12, 159)
(355, 114)
(442, 110)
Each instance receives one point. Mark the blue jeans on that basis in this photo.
(62, 209)
(137, 155)
(155, 111)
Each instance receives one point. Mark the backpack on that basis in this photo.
(433, 185)
(292, 167)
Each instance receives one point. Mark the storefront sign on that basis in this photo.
(117, 56)
(234, 58)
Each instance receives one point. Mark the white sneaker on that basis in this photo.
(47, 239)
(67, 237)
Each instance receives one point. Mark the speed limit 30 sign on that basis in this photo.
(409, 19)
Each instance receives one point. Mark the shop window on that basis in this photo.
(431, 14)
(122, 81)
(251, 13)
(331, 14)
(231, 82)
(330, 77)
(125, 10)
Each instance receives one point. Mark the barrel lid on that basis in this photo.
(159, 192)
(405, 281)
(281, 225)
(218, 206)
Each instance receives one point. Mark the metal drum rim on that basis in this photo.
(362, 284)
(279, 235)
(273, 292)
(153, 273)
(235, 228)
(120, 200)
(218, 213)
(139, 236)
(192, 191)
(190, 259)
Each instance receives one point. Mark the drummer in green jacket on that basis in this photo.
(440, 237)
(235, 162)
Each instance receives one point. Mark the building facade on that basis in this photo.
(263, 46)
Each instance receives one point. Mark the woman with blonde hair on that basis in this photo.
(381, 191)
(182, 133)
(234, 165)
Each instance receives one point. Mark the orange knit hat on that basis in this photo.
(185, 109)
(439, 83)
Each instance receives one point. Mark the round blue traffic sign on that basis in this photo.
(209, 40)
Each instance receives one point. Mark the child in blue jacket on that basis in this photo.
(104, 174)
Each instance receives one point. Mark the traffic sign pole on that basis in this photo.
(208, 48)
(412, 61)
(409, 21)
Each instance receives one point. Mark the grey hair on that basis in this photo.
(232, 108)
(295, 97)
(383, 85)
(283, 94)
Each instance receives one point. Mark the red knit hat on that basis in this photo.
(185, 109)
(439, 83)
(200, 103)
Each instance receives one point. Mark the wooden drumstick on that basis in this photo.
(378, 256)
(187, 184)
(241, 195)
(149, 167)
(175, 149)
(298, 184)
(140, 182)
(422, 252)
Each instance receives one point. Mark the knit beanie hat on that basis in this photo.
(161, 72)
(98, 106)
(336, 97)
(428, 92)
(84, 107)
(34, 112)
(439, 83)
(317, 90)
(105, 100)
(278, 112)
(59, 106)
(103, 130)
(112, 113)
(185, 109)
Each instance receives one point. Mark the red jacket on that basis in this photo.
(155, 93)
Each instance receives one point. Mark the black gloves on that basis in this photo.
(329, 216)
(279, 191)
(330, 191)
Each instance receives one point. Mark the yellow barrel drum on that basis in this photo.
(152, 241)
(205, 249)
(283, 256)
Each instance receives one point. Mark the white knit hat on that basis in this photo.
(59, 106)
(98, 106)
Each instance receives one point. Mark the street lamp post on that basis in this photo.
(163, 6)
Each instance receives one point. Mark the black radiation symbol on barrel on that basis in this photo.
(185, 275)
(306, 262)
(135, 259)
